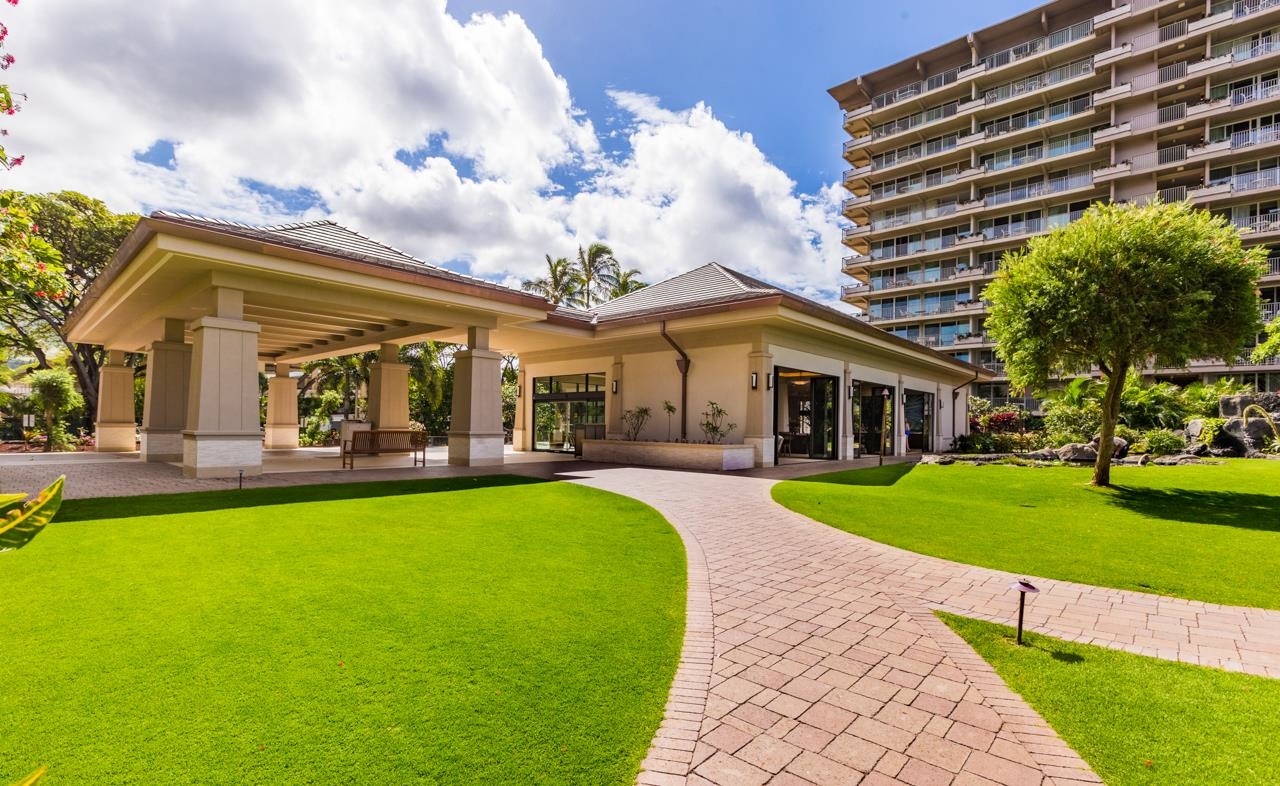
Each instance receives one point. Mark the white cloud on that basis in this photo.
(321, 95)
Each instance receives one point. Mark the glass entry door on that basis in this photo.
(918, 414)
(562, 406)
(805, 414)
(875, 431)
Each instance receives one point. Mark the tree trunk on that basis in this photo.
(1110, 414)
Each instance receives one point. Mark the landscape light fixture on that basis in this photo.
(1023, 587)
(755, 380)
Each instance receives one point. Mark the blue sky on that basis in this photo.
(477, 134)
(763, 66)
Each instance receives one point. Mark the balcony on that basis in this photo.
(848, 291)
(930, 310)
(1265, 224)
(1043, 188)
(1055, 40)
(920, 280)
(1034, 84)
(917, 217)
(854, 263)
(971, 339)
(886, 194)
(994, 366)
(1236, 185)
(1273, 267)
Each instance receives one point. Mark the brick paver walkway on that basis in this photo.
(829, 667)
(811, 655)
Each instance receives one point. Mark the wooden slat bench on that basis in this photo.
(375, 441)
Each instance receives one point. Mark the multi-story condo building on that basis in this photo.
(962, 153)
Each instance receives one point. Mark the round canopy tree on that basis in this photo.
(1122, 287)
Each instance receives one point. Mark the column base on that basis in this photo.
(517, 440)
(161, 445)
(221, 455)
(115, 437)
(475, 450)
(848, 448)
(281, 438)
(764, 449)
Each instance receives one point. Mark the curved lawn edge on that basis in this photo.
(1166, 531)
(453, 565)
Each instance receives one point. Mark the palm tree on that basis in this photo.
(626, 282)
(561, 284)
(345, 374)
(597, 270)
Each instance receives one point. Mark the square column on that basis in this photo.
(615, 395)
(475, 428)
(758, 430)
(389, 390)
(115, 428)
(847, 446)
(164, 407)
(223, 433)
(282, 410)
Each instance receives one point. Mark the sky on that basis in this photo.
(480, 135)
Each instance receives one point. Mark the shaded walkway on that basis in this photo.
(829, 666)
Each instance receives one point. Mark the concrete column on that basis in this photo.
(223, 434)
(614, 403)
(389, 390)
(282, 410)
(520, 433)
(758, 430)
(845, 407)
(115, 428)
(475, 432)
(164, 407)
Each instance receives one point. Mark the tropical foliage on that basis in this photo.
(78, 237)
(593, 277)
(1124, 286)
(54, 394)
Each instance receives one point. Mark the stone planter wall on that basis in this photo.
(676, 455)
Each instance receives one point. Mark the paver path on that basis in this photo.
(828, 667)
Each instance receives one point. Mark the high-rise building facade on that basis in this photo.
(962, 153)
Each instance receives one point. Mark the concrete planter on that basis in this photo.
(676, 455)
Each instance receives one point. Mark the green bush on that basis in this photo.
(1163, 442)
(974, 443)
(1211, 429)
(1018, 442)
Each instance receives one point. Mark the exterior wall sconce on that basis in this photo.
(615, 387)
(755, 380)
(519, 391)
(768, 381)
(1023, 587)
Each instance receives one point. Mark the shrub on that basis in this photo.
(1211, 429)
(1131, 436)
(54, 393)
(1163, 442)
(974, 442)
(713, 425)
(1019, 442)
(633, 421)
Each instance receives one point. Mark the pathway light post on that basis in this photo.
(1023, 587)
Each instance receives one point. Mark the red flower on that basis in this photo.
(17, 161)
(40, 266)
(40, 293)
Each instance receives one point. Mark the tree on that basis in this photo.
(54, 393)
(596, 270)
(560, 286)
(84, 236)
(8, 103)
(1124, 286)
(626, 282)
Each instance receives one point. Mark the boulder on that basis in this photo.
(1185, 459)
(1045, 454)
(1233, 406)
(1077, 451)
(1173, 461)
(1232, 441)
(1194, 427)
(1120, 448)
(1198, 449)
(1144, 459)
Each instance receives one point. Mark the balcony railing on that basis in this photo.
(1158, 158)
(1250, 181)
(994, 366)
(1249, 94)
(1156, 37)
(1034, 190)
(931, 115)
(1242, 8)
(1076, 106)
(1030, 226)
(1174, 194)
(1255, 136)
(916, 88)
(1267, 222)
(885, 190)
(1051, 150)
(851, 290)
(1248, 50)
(1038, 82)
(914, 247)
(1160, 76)
(1269, 311)
(1054, 40)
(915, 280)
(928, 310)
(1273, 266)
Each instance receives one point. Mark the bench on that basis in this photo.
(374, 441)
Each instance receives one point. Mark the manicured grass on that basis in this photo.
(1209, 533)
(519, 633)
(1140, 720)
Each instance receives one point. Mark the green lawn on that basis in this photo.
(489, 630)
(1140, 720)
(1209, 533)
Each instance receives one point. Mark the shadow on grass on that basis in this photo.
(872, 476)
(1225, 508)
(197, 501)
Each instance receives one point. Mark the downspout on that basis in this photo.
(955, 396)
(683, 365)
